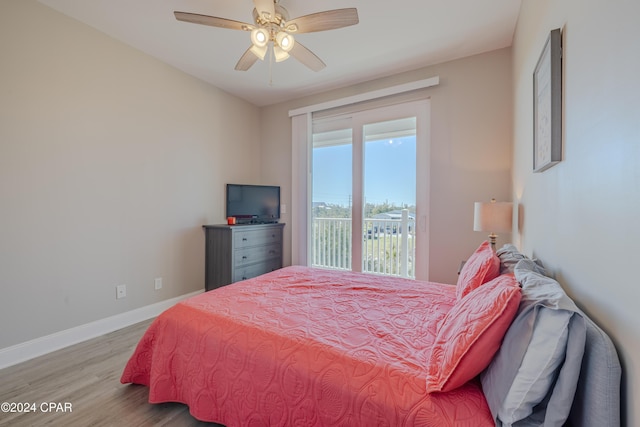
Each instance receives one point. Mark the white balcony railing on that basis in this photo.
(388, 245)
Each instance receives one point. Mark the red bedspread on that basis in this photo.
(303, 346)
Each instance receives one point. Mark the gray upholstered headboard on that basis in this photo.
(597, 400)
(542, 375)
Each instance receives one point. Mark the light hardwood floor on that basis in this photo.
(87, 376)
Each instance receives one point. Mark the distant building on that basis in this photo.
(395, 214)
(392, 228)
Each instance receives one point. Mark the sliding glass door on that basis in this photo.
(369, 190)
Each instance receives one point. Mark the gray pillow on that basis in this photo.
(509, 257)
(530, 380)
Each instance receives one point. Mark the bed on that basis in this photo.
(306, 346)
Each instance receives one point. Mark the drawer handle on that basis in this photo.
(244, 239)
(244, 278)
(244, 257)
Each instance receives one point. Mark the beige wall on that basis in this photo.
(470, 148)
(581, 216)
(110, 162)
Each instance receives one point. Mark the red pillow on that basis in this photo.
(483, 265)
(471, 333)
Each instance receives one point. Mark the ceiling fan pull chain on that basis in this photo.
(271, 66)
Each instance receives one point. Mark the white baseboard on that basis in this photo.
(37, 347)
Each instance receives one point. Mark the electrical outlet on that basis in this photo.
(158, 283)
(121, 291)
(283, 208)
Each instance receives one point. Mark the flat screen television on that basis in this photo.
(253, 204)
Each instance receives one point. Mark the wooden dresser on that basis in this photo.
(239, 252)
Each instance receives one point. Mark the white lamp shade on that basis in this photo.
(259, 51)
(493, 217)
(279, 54)
(285, 41)
(259, 37)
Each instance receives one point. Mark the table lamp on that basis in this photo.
(492, 217)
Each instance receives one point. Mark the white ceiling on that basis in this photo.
(392, 36)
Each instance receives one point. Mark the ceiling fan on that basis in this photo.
(273, 28)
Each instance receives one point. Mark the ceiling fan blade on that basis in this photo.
(213, 21)
(265, 7)
(307, 57)
(322, 21)
(246, 61)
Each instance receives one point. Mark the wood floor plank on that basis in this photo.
(87, 376)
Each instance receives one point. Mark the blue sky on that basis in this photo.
(390, 170)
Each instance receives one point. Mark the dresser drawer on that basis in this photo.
(253, 270)
(249, 255)
(246, 238)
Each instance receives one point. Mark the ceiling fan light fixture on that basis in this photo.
(273, 29)
(285, 41)
(259, 37)
(279, 54)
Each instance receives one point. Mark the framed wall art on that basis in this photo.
(547, 104)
